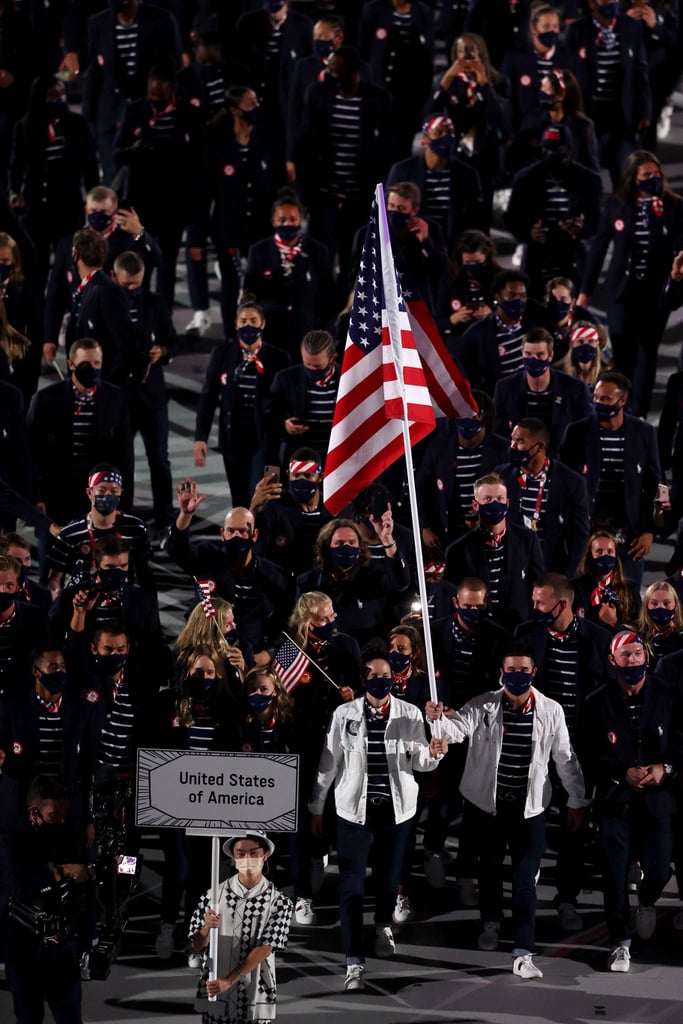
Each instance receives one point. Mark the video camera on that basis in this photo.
(116, 870)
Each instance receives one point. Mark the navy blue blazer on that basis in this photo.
(438, 473)
(615, 747)
(571, 402)
(617, 225)
(565, 523)
(219, 390)
(477, 348)
(524, 565)
(634, 80)
(580, 450)
(466, 209)
(107, 87)
(521, 69)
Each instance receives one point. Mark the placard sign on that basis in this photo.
(217, 791)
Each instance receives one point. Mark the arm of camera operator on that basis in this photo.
(250, 962)
(72, 873)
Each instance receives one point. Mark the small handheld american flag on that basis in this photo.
(204, 589)
(290, 663)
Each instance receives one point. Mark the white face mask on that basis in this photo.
(249, 865)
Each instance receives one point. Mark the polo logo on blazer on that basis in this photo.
(352, 728)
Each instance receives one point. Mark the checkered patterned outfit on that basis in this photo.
(250, 918)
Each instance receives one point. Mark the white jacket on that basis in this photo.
(344, 760)
(481, 721)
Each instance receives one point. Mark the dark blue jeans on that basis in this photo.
(153, 426)
(525, 838)
(353, 846)
(652, 837)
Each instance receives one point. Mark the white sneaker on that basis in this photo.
(403, 911)
(620, 960)
(568, 918)
(664, 123)
(84, 966)
(354, 981)
(466, 888)
(525, 968)
(488, 937)
(646, 920)
(304, 912)
(385, 946)
(435, 872)
(164, 943)
(318, 869)
(217, 270)
(194, 959)
(200, 323)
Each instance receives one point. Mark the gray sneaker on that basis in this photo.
(354, 981)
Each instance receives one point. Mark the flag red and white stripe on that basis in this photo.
(381, 376)
(290, 663)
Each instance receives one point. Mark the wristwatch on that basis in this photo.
(668, 769)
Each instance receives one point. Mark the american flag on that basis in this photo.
(448, 387)
(205, 588)
(290, 664)
(367, 432)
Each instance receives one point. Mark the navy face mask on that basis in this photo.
(88, 375)
(608, 11)
(513, 308)
(113, 579)
(651, 186)
(545, 619)
(558, 309)
(288, 232)
(111, 663)
(630, 675)
(398, 220)
(470, 617)
(199, 685)
(535, 367)
(604, 564)
(442, 147)
(324, 632)
(258, 702)
(99, 220)
(493, 512)
(548, 39)
(518, 457)
(105, 504)
(661, 616)
(231, 636)
(315, 375)
(249, 334)
(517, 683)
(378, 688)
(54, 682)
(477, 271)
(302, 491)
(323, 48)
(6, 601)
(6, 271)
(252, 116)
(468, 427)
(584, 353)
(345, 556)
(605, 412)
(399, 662)
(237, 548)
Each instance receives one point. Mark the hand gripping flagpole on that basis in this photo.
(394, 326)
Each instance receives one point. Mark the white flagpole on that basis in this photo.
(391, 305)
(213, 933)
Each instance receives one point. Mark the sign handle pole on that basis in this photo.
(213, 934)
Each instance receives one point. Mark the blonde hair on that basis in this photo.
(199, 631)
(14, 344)
(646, 627)
(282, 704)
(7, 242)
(301, 617)
(185, 716)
